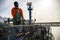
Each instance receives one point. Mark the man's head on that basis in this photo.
(16, 4)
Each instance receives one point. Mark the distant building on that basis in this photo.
(1, 19)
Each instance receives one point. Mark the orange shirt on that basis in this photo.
(13, 11)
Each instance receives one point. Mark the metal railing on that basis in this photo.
(26, 32)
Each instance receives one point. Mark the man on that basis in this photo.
(17, 14)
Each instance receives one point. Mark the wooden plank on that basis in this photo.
(20, 34)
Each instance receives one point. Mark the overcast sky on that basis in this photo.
(43, 10)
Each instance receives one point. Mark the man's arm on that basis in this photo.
(13, 13)
(22, 15)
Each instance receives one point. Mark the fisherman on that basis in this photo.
(17, 14)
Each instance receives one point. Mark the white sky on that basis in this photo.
(43, 10)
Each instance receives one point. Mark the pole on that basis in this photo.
(30, 9)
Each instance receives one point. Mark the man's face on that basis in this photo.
(16, 5)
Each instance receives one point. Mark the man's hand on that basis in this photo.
(23, 20)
